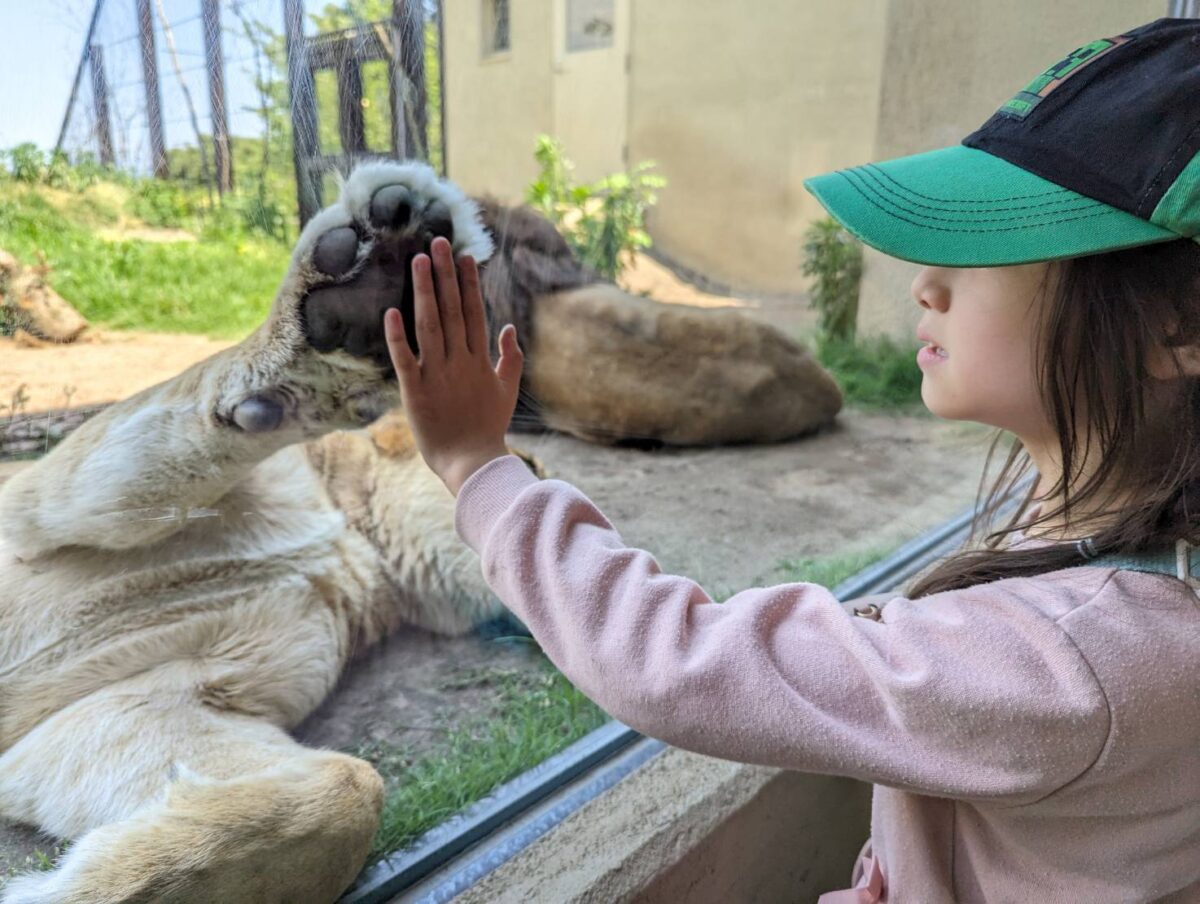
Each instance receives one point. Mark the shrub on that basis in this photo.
(877, 372)
(27, 163)
(163, 203)
(604, 223)
(834, 257)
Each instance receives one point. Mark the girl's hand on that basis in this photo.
(458, 406)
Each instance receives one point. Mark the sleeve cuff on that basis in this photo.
(486, 495)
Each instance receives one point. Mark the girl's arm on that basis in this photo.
(969, 694)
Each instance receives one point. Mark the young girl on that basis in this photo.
(1030, 711)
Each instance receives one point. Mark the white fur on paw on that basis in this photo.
(353, 206)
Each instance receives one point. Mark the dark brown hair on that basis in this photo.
(1102, 316)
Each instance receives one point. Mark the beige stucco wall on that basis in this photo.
(497, 105)
(948, 66)
(591, 98)
(739, 104)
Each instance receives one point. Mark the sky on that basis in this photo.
(40, 46)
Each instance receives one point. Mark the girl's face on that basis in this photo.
(983, 323)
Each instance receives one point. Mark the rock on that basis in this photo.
(30, 306)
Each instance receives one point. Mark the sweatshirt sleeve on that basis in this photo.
(970, 694)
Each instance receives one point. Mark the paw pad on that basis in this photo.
(397, 224)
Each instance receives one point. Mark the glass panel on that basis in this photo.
(590, 24)
(495, 26)
(728, 373)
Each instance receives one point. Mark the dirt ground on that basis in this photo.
(105, 366)
(729, 517)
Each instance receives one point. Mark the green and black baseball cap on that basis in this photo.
(1099, 152)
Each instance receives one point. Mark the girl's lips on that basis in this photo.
(931, 355)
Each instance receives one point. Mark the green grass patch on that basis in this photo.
(220, 287)
(875, 373)
(38, 862)
(536, 714)
(828, 571)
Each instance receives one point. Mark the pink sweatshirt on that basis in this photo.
(1030, 740)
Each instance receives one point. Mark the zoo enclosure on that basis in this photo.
(357, 89)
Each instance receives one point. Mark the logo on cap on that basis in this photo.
(1041, 87)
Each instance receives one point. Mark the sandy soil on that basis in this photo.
(103, 367)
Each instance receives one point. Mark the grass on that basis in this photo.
(875, 373)
(535, 715)
(37, 862)
(221, 287)
(828, 571)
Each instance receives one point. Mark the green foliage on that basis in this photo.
(877, 372)
(27, 163)
(221, 287)
(834, 257)
(827, 571)
(164, 203)
(537, 714)
(604, 223)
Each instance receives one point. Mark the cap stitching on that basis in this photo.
(869, 200)
(916, 213)
(912, 191)
(1158, 176)
(1070, 200)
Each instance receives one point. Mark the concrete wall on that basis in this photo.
(688, 829)
(948, 66)
(738, 104)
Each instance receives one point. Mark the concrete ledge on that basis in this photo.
(690, 828)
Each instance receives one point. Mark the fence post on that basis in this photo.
(302, 96)
(100, 102)
(214, 58)
(409, 95)
(158, 145)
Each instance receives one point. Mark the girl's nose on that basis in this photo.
(930, 290)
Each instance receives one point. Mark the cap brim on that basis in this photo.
(962, 207)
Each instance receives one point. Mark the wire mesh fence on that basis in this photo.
(229, 94)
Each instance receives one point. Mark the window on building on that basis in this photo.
(495, 27)
(590, 24)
